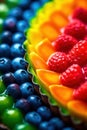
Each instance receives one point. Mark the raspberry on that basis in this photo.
(81, 14)
(72, 77)
(85, 38)
(85, 71)
(81, 92)
(58, 62)
(76, 29)
(78, 53)
(64, 43)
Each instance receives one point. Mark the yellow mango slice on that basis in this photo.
(78, 108)
(48, 77)
(37, 61)
(44, 49)
(61, 93)
(34, 36)
(59, 19)
(49, 31)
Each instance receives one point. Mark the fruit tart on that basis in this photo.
(56, 50)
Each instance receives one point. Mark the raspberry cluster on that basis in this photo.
(70, 57)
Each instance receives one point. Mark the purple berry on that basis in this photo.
(10, 24)
(23, 105)
(14, 91)
(8, 78)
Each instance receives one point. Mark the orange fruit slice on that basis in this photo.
(44, 49)
(61, 93)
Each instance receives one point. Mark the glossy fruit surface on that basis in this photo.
(5, 103)
(25, 126)
(14, 117)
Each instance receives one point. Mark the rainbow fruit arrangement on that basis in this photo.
(56, 48)
(21, 107)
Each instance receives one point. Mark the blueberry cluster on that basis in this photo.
(20, 106)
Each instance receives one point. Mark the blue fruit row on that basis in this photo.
(14, 74)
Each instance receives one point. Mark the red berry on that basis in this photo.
(58, 62)
(81, 14)
(81, 92)
(78, 53)
(85, 38)
(72, 77)
(85, 71)
(64, 43)
(76, 29)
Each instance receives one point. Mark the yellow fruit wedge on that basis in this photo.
(34, 36)
(48, 77)
(37, 61)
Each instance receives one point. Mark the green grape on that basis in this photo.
(25, 126)
(2, 86)
(5, 103)
(3, 10)
(12, 117)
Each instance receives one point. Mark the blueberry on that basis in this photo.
(33, 118)
(6, 37)
(10, 24)
(22, 26)
(14, 90)
(35, 5)
(58, 123)
(26, 89)
(8, 78)
(19, 63)
(46, 126)
(68, 128)
(5, 65)
(4, 50)
(17, 50)
(34, 101)
(18, 37)
(28, 14)
(44, 112)
(21, 76)
(23, 105)
(24, 4)
(16, 12)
